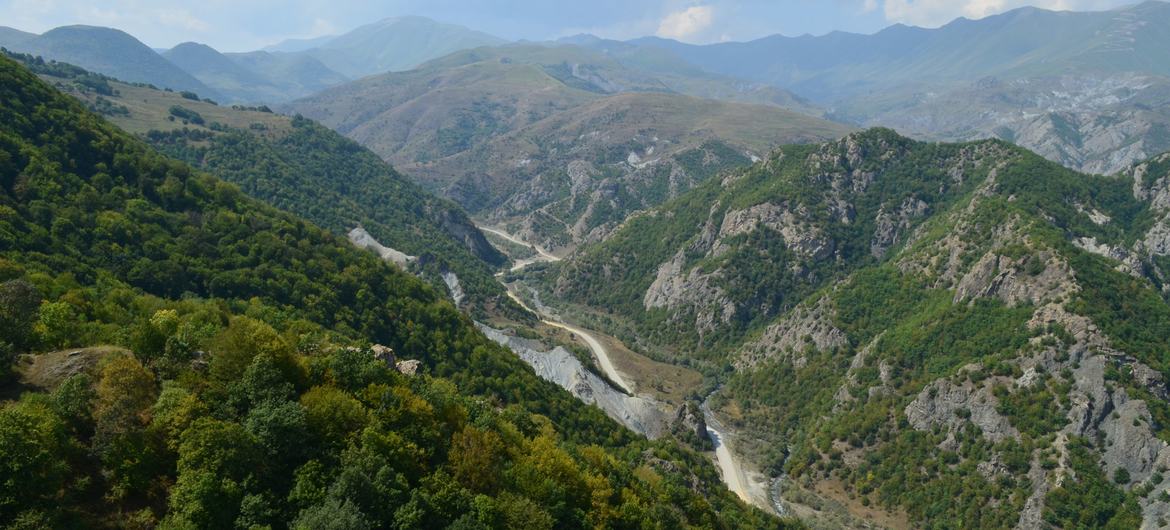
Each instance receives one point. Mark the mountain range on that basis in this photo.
(275, 375)
(276, 74)
(930, 84)
(1052, 81)
(560, 143)
(416, 276)
(107, 51)
(952, 332)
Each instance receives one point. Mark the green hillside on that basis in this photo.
(299, 166)
(111, 52)
(955, 333)
(242, 403)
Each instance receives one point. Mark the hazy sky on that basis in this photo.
(240, 25)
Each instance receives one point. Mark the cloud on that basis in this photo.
(687, 23)
(933, 13)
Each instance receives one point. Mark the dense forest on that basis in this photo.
(239, 388)
(298, 166)
(337, 184)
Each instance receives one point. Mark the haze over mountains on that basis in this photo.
(1047, 80)
(559, 142)
(279, 73)
(108, 51)
(931, 84)
(417, 276)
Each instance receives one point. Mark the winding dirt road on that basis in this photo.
(733, 473)
(541, 254)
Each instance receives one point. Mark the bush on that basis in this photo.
(187, 115)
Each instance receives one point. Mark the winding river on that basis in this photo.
(729, 466)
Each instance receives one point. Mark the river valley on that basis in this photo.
(731, 468)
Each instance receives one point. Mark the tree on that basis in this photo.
(282, 431)
(55, 323)
(124, 396)
(476, 458)
(33, 464)
(19, 304)
(215, 460)
(333, 514)
(333, 415)
(244, 339)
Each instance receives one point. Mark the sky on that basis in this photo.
(243, 25)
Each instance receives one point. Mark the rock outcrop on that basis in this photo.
(890, 226)
(800, 236)
(409, 367)
(362, 239)
(675, 289)
(807, 326)
(953, 404)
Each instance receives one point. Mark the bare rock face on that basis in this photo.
(1152, 188)
(1031, 279)
(1128, 262)
(800, 236)
(1157, 240)
(946, 403)
(362, 239)
(804, 327)
(1129, 442)
(384, 354)
(673, 289)
(690, 418)
(409, 368)
(640, 414)
(890, 225)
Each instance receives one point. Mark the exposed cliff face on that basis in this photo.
(460, 228)
(947, 314)
(890, 225)
(1151, 183)
(689, 292)
(800, 236)
(806, 327)
(360, 238)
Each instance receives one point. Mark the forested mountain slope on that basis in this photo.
(107, 51)
(241, 401)
(558, 143)
(299, 166)
(955, 332)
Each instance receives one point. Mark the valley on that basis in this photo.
(574, 266)
(730, 465)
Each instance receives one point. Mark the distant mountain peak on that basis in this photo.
(112, 52)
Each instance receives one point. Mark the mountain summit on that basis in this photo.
(394, 44)
(111, 52)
